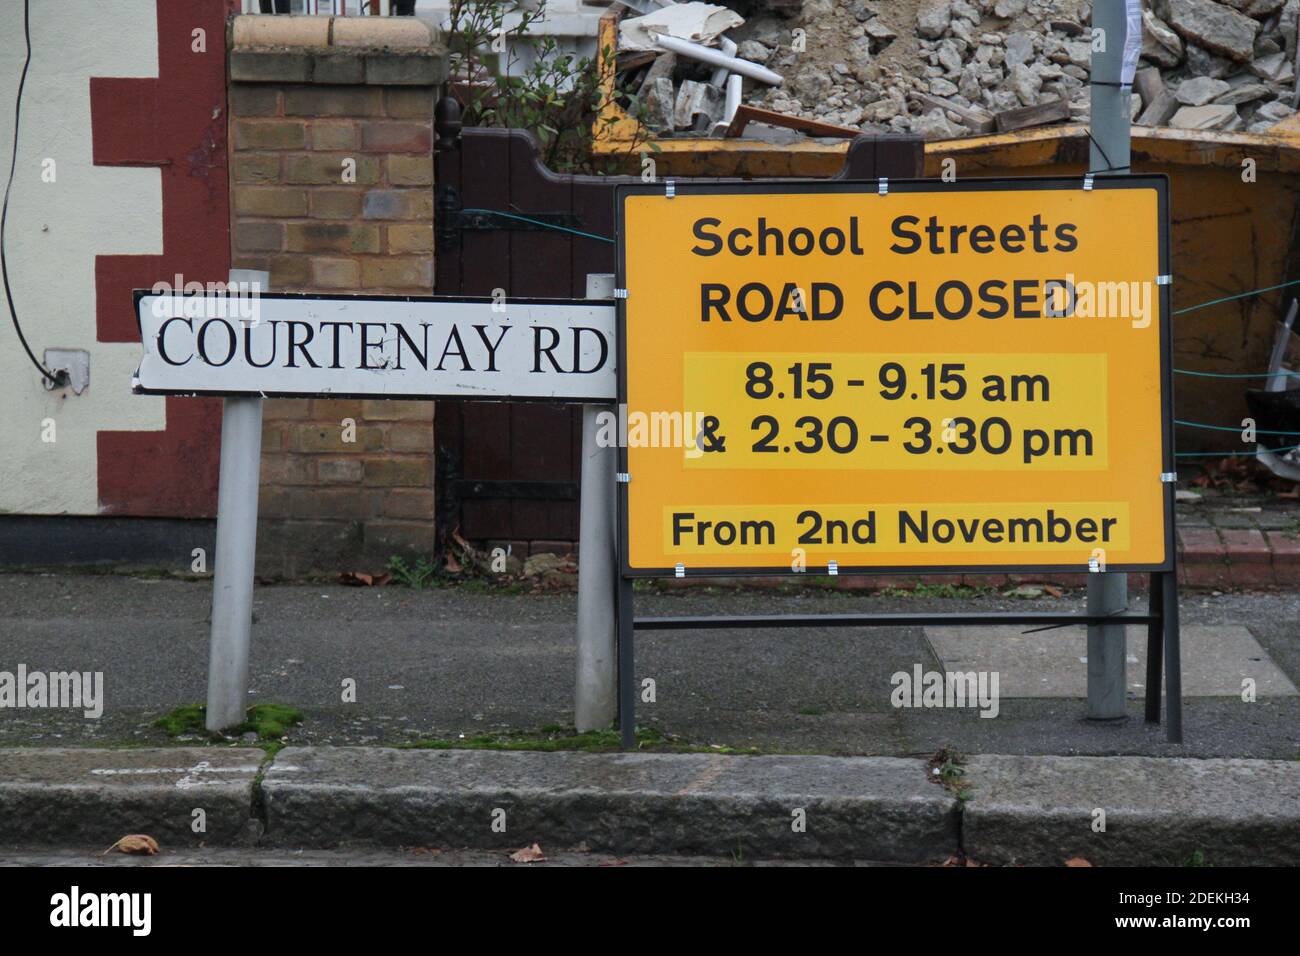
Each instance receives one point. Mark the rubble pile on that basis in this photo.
(950, 68)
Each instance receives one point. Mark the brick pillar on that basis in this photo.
(331, 130)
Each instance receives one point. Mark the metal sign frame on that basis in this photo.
(1161, 618)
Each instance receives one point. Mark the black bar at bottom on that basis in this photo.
(1173, 663)
(1155, 646)
(626, 675)
(883, 620)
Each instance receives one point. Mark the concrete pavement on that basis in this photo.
(995, 809)
(442, 663)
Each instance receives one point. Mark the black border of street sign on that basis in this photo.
(1158, 182)
(138, 294)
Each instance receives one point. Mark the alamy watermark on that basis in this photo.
(922, 688)
(77, 690)
(208, 300)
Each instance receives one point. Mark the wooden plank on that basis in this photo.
(1027, 116)
(746, 114)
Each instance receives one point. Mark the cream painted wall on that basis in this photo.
(54, 232)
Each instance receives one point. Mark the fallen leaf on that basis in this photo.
(1053, 590)
(356, 579)
(529, 854)
(136, 843)
(1077, 861)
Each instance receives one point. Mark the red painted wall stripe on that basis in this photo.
(176, 122)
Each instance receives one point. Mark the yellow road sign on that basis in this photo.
(968, 375)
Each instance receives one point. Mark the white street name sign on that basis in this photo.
(286, 345)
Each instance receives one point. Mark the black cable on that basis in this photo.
(58, 378)
(1110, 167)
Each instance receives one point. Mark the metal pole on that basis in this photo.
(232, 585)
(626, 672)
(1155, 645)
(1173, 660)
(1108, 156)
(595, 702)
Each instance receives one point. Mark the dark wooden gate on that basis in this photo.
(508, 472)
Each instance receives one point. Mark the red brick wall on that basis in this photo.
(329, 504)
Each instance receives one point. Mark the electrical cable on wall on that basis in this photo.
(57, 378)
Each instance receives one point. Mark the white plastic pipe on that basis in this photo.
(728, 47)
(734, 82)
(717, 58)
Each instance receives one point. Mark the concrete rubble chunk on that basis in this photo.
(1217, 28)
(1199, 90)
(1244, 93)
(1159, 810)
(659, 95)
(881, 808)
(1275, 68)
(1259, 9)
(936, 125)
(92, 796)
(1160, 110)
(1204, 63)
(1025, 83)
(697, 99)
(1160, 44)
(1009, 8)
(878, 29)
(1147, 84)
(1020, 48)
(1212, 116)
(933, 17)
(1273, 112)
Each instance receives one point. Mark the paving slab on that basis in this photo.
(93, 796)
(878, 808)
(1216, 659)
(1042, 811)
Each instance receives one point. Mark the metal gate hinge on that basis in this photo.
(670, 189)
(1087, 182)
(623, 478)
(1169, 476)
(620, 293)
(679, 571)
(832, 568)
(1164, 280)
(882, 188)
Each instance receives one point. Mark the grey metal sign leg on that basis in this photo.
(1109, 133)
(594, 703)
(594, 698)
(232, 587)
(232, 580)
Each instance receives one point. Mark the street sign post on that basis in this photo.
(921, 376)
(245, 344)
